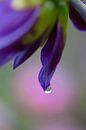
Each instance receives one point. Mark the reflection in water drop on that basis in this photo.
(48, 90)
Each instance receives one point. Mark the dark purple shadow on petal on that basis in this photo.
(20, 30)
(51, 55)
(77, 19)
(25, 54)
(6, 54)
(47, 49)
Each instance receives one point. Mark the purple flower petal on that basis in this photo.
(51, 55)
(76, 18)
(23, 55)
(6, 54)
(80, 7)
(47, 49)
(15, 24)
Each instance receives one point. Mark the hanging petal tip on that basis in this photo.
(16, 63)
(45, 82)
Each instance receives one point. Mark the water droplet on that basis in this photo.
(48, 90)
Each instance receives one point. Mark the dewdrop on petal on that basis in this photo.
(48, 90)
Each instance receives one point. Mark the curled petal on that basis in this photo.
(80, 7)
(27, 51)
(6, 54)
(23, 55)
(76, 18)
(51, 55)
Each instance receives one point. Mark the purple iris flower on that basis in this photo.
(23, 29)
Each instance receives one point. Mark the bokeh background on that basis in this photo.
(24, 105)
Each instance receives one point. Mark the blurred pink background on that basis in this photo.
(30, 97)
